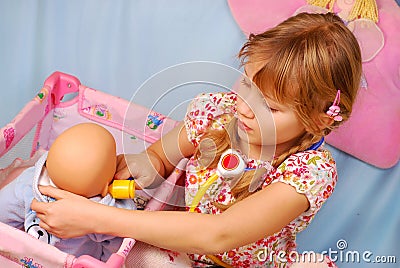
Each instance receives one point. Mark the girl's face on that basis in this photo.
(263, 122)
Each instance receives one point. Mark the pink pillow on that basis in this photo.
(372, 134)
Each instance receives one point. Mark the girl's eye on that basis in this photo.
(273, 110)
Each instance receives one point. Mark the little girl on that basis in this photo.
(307, 70)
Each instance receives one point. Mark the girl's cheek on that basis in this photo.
(267, 128)
(244, 108)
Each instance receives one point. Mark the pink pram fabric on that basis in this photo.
(48, 115)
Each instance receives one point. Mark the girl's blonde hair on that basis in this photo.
(305, 60)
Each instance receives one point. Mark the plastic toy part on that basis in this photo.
(122, 189)
(86, 261)
(230, 166)
(61, 84)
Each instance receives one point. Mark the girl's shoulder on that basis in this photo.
(206, 110)
(309, 164)
(311, 172)
(307, 167)
(320, 159)
(221, 102)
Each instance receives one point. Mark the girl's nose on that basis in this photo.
(244, 109)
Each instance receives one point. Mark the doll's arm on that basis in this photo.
(15, 199)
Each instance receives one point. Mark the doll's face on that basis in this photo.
(82, 160)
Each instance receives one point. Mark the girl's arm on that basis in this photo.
(247, 221)
(158, 160)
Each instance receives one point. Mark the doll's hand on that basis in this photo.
(67, 216)
(144, 168)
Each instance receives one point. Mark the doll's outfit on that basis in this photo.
(15, 201)
(312, 173)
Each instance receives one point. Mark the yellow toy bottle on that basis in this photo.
(122, 189)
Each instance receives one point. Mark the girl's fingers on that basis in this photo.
(53, 192)
(44, 225)
(121, 163)
(39, 207)
(122, 174)
(57, 193)
(42, 217)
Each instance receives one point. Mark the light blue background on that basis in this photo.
(115, 46)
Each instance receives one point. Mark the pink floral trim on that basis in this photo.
(9, 134)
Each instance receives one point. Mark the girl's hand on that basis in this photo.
(69, 216)
(142, 167)
(158, 161)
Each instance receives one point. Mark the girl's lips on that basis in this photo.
(243, 126)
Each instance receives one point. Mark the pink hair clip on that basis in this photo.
(334, 110)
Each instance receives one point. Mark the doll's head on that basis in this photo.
(82, 160)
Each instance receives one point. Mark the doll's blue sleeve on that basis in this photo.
(16, 198)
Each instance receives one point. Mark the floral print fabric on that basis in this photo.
(312, 173)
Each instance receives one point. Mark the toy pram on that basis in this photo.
(43, 119)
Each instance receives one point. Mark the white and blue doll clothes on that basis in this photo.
(15, 201)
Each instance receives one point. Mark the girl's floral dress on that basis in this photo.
(312, 173)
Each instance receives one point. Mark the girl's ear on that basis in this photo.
(325, 120)
(322, 121)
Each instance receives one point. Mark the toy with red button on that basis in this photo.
(230, 166)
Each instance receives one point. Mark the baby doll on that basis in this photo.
(82, 160)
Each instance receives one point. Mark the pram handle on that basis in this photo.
(60, 84)
(116, 260)
(86, 261)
